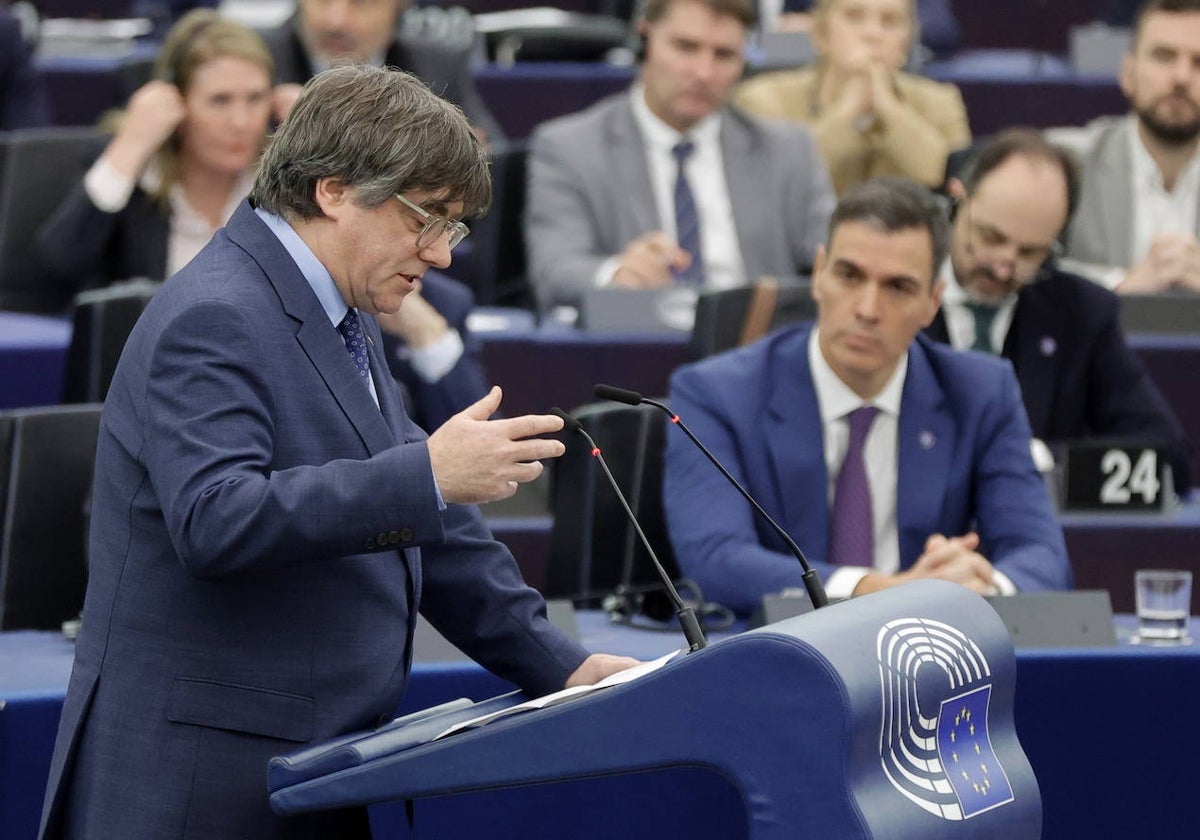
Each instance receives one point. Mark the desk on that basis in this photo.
(1001, 88)
(33, 352)
(82, 87)
(1107, 765)
(550, 365)
(1107, 548)
(558, 366)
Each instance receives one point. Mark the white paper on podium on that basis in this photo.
(567, 694)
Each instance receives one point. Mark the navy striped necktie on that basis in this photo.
(687, 220)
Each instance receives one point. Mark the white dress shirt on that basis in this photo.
(835, 401)
(881, 457)
(705, 169)
(1155, 209)
(960, 320)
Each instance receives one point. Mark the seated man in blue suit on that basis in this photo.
(266, 519)
(887, 457)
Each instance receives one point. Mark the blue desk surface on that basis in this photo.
(1108, 732)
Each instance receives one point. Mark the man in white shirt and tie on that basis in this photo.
(1005, 295)
(666, 184)
(887, 457)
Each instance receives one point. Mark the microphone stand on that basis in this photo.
(812, 580)
(685, 614)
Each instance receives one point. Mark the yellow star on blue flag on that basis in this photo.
(965, 749)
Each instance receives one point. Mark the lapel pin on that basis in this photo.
(1048, 346)
(926, 439)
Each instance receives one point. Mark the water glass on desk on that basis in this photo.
(1164, 599)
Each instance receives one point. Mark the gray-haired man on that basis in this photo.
(266, 520)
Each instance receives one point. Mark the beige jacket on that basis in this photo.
(933, 124)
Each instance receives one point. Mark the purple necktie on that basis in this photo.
(356, 345)
(851, 528)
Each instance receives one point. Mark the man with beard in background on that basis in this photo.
(1005, 295)
(1137, 224)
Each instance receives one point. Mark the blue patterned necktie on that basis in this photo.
(356, 345)
(985, 315)
(851, 526)
(687, 221)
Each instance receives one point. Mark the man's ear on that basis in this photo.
(1125, 75)
(955, 189)
(331, 195)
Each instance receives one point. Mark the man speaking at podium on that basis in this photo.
(887, 457)
(266, 520)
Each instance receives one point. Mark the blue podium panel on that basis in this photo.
(887, 717)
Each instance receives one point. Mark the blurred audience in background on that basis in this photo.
(23, 102)
(1138, 223)
(181, 159)
(870, 117)
(322, 33)
(665, 184)
(937, 27)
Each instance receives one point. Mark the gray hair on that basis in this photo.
(378, 130)
(894, 204)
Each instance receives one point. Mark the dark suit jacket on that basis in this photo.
(1079, 379)
(262, 536)
(431, 404)
(82, 247)
(964, 464)
(445, 69)
(23, 102)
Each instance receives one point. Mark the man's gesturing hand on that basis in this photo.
(479, 460)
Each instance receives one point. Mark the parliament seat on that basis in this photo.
(594, 550)
(101, 322)
(729, 318)
(46, 462)
(38, 167)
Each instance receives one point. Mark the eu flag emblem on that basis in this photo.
(966, 753)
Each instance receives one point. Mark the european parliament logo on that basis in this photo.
(934, 743)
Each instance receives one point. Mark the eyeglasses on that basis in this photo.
(435, 226)
(984, 237)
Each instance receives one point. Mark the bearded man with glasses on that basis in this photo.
(1007, 296)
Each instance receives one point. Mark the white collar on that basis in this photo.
(660, 136)
(835, 398)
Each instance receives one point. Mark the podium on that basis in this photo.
(888, 716)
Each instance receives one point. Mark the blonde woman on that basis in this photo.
(180, 161)
(869, 117)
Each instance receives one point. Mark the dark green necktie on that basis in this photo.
(985, 315)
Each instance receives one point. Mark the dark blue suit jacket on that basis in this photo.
(431, 404)
(1079, 379)
(964, 464)
(262, 535)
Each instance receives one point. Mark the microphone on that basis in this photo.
(685, 614)
(812, 581)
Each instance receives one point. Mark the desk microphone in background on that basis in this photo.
(812, 581)
(685, 614)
